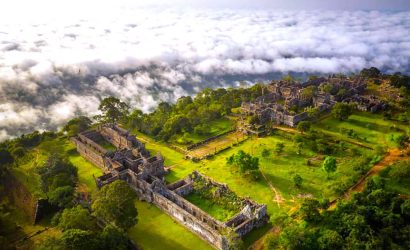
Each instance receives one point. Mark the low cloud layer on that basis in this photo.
(51, 71)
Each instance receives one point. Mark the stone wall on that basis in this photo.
(116, 138)
(190, 221)
(88, 151)
(145, 177)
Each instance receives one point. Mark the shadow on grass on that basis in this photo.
(72, 152)
(152, 240)
(256, 234)
(286, 186)
(371, 126)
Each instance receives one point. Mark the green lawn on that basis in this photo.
(371, 129)
(106, 145)
(26, 173)
(156, 230)
(216, 127)
(215, 210)
(86, 170)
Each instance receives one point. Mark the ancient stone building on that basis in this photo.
(145, 175)
(285, 102)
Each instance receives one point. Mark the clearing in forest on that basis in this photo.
(217, 145)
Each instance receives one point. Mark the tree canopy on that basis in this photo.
(191, 114)
(58, 178)
(372, 72)
(113, 109)
(329, 164)
(246, 163)
(115, 203)
(77, 125)
(76, 218)
(342, 111)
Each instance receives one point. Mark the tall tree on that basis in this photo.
(115, 203)
(244, 161)
(329, 165)
(303, 126)
(77, 239)
(342, 111)
(77, 125)
(113, 109)
(58, 178)
(297, 180)
(76, 218)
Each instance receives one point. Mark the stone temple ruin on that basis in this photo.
(132, 163)
(286, 101)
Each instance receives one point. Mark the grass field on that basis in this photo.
(157, 230)
(216, 127)
(26, 173)
(215, 210)
(217, 144)
(371, 129)
(27, 229)
(106, 145)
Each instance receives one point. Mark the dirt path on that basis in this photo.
(278, 198)
(391, 156)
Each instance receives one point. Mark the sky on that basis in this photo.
(59, 59)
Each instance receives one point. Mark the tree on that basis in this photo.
(327, 88)
(76, 218)
(329, 165)
(399, 80)
(61, 196)
(330, 240)
(371, 72)
(174, 125)
(265, 153)
(400, 171)
(58, 178)
(279, 147)
(247, 164)
(76, 239)
(112, 238)
(113, 109)
(313, 112)
(244, 161)
(77, 125)
(400, 140)
(57, 171)
(51, 243)
(303, 126)
(294, 237)
(342, 111)
(297, 180)
(115, 203)
(310, 210)
(309, 92)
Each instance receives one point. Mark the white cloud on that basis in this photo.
(53, 70)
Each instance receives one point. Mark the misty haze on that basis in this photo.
(52, 71)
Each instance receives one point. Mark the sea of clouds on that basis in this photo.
(54, 69)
